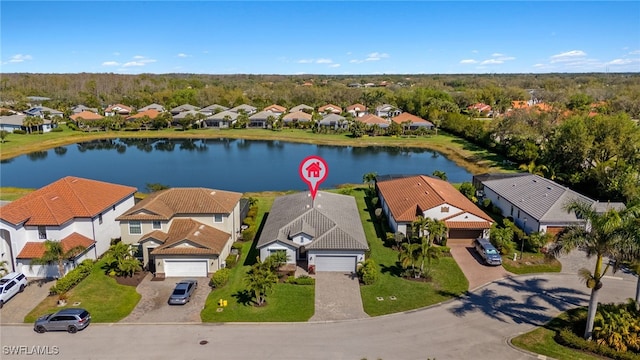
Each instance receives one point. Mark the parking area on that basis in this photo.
(471, 264)
(153, 307)
(337, 297)
(21, 304)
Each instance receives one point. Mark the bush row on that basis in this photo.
(568, 338)
(231, 261)
(301, 280)
(220, 278)
(72, 278)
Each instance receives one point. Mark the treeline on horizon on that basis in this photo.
(587, 136)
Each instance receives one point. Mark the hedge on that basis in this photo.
(220, 278)
(568, 338)
(301, 280)
(73, 277)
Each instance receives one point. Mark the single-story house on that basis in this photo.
(80, 108)
(223, 119)
(12, 122)
(371, 120)
(387, 111)
(298, 116)
(261, 119)
(183, 231)
(404, 198)
(117, 109)
(247, 109)
(157, 107)
(330, 109)
(213, 109)
(149, 113)
(43, 112)
(415, 122)
(302, 107)
(276, 109)
(357, 110)
(72, 210)
(85, 117)
(184, 108)
(334, 121)
(325, 234)
(535, 204)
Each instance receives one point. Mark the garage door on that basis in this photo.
(183, 268)
(336, 263)
(458, 236)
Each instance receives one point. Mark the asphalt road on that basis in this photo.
(477, 326)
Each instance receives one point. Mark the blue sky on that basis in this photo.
(319, 37)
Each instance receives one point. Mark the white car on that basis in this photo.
(10, 285)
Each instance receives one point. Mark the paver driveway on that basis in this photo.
(337, 297)
(153, 307)
(473, 267)
(21, 304)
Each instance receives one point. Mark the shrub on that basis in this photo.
(231, 261)
(237, 246)
(19, 132)
(220, 278)
(72, 126)
(486, 203)
(568, 338)
(73, 278)
(248, 234)
(443, 250)
(346, 191)
(378, 213)
(301, 280)
(57, 129)
(368, 272)
(375, 201)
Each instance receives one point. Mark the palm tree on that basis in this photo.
(427, 253)
(119, 260)
(532, 168)
(369, 178)
(409, 255)
(419, 226)
(440, 174)
(261, 280)
(437, 230)
(603, 236)
(55, 253)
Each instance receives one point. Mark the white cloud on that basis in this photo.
(354, 61)
(539, 65)
(375, 56)
(138, 61)
(623, 61)
(181, 55)
(138, 57)
(324, 61)
(568, 56)
(110, 63)
(334, 65)
(468, 61)
(491, 62)
(305, 61)
(634, 52)
(18, 58)
(497, 55)
(133, 63)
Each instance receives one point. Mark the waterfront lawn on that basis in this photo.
(531, 263)
(13, 193)
(101, 295)
(448, 280)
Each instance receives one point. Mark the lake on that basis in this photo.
(227, 164)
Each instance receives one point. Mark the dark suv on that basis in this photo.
(71, 320)
(487, 251)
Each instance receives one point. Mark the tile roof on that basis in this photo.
(214, 107)
(538, 197)
(119, 107)
(153, 106)
(405, 116)
(245, 107)
(68, 198)
(165, 204)
(407, 196)
(86, 115)
(356, 107)
(371, 119)
(151, 113)
(330, 107)
(184, 107)
(275, 108)
(298, 115)
(35, 250)
(300, 108)
(332, 118)
(221, 115)
(16, 119)
(332, 219)
(263, 115)
(188, 236)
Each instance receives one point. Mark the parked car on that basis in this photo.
(487, 251)
(71, 320)
(10, 285)
(182, 292)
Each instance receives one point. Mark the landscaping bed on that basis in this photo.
(531, 263)
(133, 280)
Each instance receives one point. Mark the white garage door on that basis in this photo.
(336, 263)
(182, 268)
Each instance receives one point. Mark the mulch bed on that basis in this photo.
(134, 280)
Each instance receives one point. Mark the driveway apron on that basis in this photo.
(476, 272)
(153, 307)
(337, 297)
(22, 303)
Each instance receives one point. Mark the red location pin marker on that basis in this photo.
(313, 170)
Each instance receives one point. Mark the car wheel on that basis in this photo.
(40, 329)
(21, 288)
(72, 329)
(1, 304)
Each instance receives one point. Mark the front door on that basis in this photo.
(152, 261)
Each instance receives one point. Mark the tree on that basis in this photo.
(468, 190)
(260, 280)
(437, 230)
(3, 135)
(119, 260)
(440, 174)
(409, 255)
(55, 253)
(369, 178)
(427, 254)
(603, 236)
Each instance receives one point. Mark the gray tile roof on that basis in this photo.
(153, 106)
(183, 114)
(15, 120)
(221, 115)
(185, 107)
(263, 115)
(540, 198)
(333, 221)
(300, 107)
(247, 108)
(212, 108)
(332, 119)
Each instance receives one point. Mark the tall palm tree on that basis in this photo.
(369, 178)
(261, 280)
(55, 253)
(409, 255)
(602, 236)
(437, 230)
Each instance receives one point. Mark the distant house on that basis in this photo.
(324, 234)
(223, 119)
(157, 107)
(248, 109)
(387, 111)
(150, 114)
(357, 110)
(482, 108)
(194, 114)
(415, 122)
(276, 109)
(403, 198)
(183, 108)
(12, 122)
(297, 117)
(72, 210)
(261, 119)
(183, 231)
(80, 108)
(535, 204)
(330, 109)
(213, 109)
(334, 122)
(44, 112)
(117, 109)
(302, 107)
(85, 118)
(371, 120)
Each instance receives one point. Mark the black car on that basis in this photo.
(182, 292)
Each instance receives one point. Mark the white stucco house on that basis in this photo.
(183, 231)
(72, 210)
(324, 234)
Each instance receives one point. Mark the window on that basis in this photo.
(100, 219)
(113, 208)
(157, 225)
(42, 232)
(135, 228)
(217, 218)
(444, 209)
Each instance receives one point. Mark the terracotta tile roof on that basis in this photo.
(298, 115)
(356, 107)
(123, 108)
(519, 104)
(68, 198)
(480, 107)
(276, 108)
(405, 116)
(164, 205)
(409, 196)
(151, 113)
(34, 250)
(468, 224)
(330, 107)
(86, 115)
(371, 119)
(188, 236)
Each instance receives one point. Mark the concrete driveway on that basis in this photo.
(474, 268)
(337, 297)
(21, 304)
(153, 307)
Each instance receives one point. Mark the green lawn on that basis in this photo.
(531, 263)
(101, 295)
(12, 193)
(449, 281)
(286, 303)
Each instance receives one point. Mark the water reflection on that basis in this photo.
(38, 155)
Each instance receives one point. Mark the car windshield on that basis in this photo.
(179, 292)
(492, 251)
